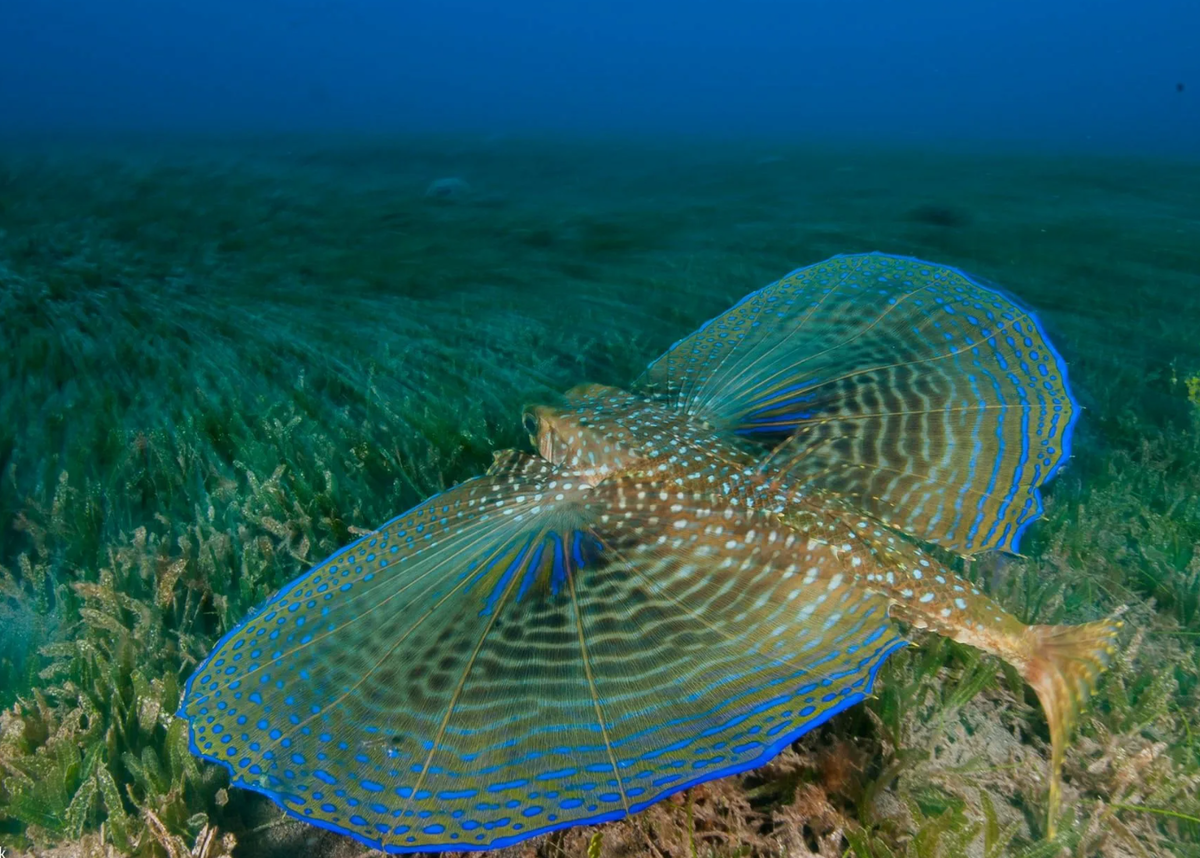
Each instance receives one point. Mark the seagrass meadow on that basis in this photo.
(222, 360)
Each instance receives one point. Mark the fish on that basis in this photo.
(677, 582)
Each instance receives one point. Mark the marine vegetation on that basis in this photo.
(220, 363)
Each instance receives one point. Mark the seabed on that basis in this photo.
(222, 360)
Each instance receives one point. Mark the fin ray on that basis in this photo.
(569, 654)
(900, 385)
(1063, 665)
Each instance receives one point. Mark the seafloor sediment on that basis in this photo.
(220, 362)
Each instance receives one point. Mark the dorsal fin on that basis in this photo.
(933, 402)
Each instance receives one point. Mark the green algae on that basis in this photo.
(219, 364)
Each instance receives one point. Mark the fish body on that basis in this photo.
(683, 579)
(605, 431)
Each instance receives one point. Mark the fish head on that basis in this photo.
(593, 434)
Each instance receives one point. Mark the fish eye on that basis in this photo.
(530, 422)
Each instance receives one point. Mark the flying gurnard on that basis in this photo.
(679, 583)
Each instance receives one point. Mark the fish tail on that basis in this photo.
(1063, 664)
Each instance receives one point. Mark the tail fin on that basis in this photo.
(1062, 665)
(933, 402)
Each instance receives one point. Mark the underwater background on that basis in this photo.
(272, 273)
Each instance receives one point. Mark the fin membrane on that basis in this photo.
(1063, 665)
(933, 402)
(523, 653)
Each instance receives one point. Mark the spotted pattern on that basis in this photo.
(605, 431)
(527, 652)
(932, 402)
(919, 588)
(655, 600)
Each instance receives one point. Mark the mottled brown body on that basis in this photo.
(604, 433)
(680, 583)
(609, 432)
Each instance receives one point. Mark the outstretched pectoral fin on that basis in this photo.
(523, 653)
(935, 403)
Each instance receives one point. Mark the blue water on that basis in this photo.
(1069, 74)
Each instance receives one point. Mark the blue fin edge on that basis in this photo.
(769, 753)
(1068, 433)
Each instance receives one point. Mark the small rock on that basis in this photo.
(450, 189)
(940, 215)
